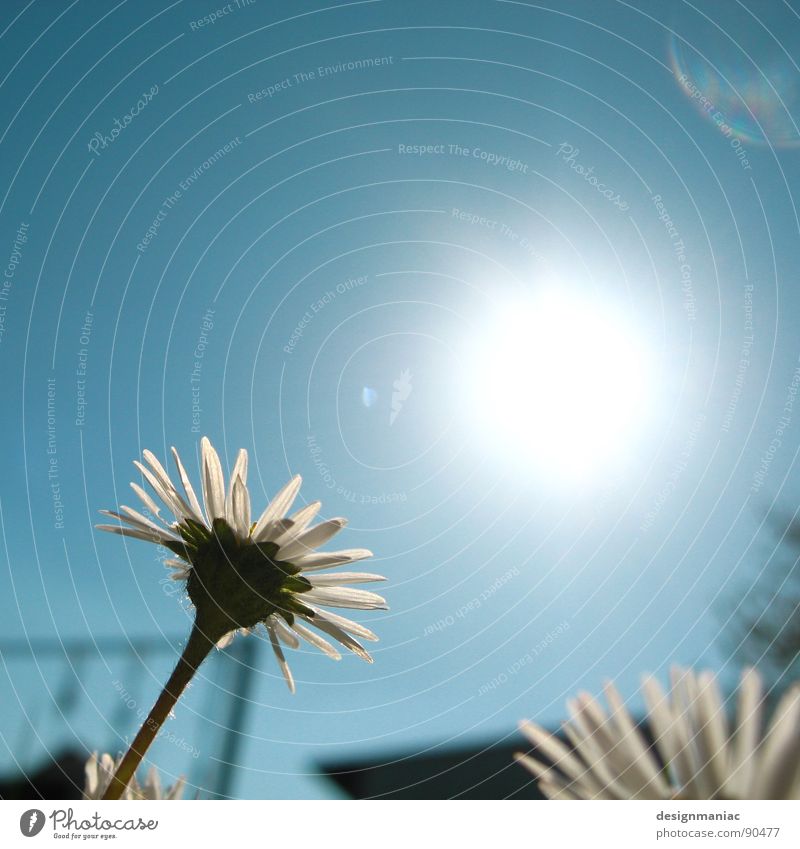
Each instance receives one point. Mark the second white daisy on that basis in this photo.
(100, 770)
(696, 754)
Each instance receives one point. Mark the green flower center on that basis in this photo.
(235, 584)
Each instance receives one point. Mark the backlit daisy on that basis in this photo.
(696, 755)
(100, 770)
(241, 573)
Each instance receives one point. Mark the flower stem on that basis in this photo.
(197, 648)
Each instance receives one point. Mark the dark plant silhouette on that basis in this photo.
(765, 627)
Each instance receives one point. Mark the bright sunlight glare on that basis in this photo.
(560, 381)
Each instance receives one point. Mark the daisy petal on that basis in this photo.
(324, 559)
(643, 766)
(303, 517)
(532, 765)
(240, 467)
(188, 489)
(272, 530)
(311, 539)
(345, 624)
(240, 509)
(299, 521)
(276, 647)
(284, 634)
(662, 727)
(239, 473)
(712, 735)
(91, 770)
(780, 752)
(164, 493)
(279, 505)
(147, 501)
(134, 533)
(340, 636)
(341, 597)
(310, 637)
(137, 520)
(180, 569)
(335, 579)
(554, 790)
(213, 484)
(747, 735)
(166, 484)
(176, 791)
(226, 640)
(552, 748)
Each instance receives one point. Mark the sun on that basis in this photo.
(560, 382)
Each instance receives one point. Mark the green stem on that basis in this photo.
(197, 648)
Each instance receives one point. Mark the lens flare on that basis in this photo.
(751, 99)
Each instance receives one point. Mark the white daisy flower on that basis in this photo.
(100, 770)
(241, 573)
(696, 755)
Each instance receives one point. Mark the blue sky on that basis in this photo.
(299, 204)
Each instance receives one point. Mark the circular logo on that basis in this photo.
(31, 822)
